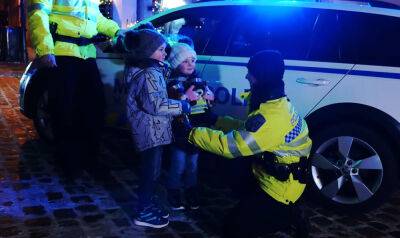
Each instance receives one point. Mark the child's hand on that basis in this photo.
(208, 95)
(192, 95)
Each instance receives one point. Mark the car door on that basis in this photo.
(374, 48)
(111, 66)
(299, 34)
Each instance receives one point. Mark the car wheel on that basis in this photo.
(352, 168)
(42, 119)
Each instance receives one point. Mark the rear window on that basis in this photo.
(370, 39)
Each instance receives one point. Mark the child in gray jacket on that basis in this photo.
(149, 112)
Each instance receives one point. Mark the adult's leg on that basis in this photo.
(255, 215)
(92, 107)
(241, 179)
(64, 84)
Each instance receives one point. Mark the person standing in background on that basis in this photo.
(62, 34)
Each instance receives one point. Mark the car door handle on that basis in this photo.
(313, 82)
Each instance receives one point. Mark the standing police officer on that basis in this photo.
(275, 139)
(61, 33)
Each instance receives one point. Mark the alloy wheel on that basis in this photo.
(347, 170)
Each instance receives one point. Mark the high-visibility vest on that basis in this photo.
(74, 18)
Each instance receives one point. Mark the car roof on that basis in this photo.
(342, 6)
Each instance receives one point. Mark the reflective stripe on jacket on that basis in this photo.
(74, 18)
(200, 107)
(284, 133)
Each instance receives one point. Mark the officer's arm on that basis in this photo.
(38, 20)
(227, 123)
(106, 26)
(256, 138)
(153, 100)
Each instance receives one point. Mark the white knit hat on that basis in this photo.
(179, 53)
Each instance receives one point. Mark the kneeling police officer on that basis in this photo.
(274, 138)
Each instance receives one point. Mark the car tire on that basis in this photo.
(353, 169)
(42, 119)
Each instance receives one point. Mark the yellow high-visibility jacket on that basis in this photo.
(74, 18)
(275, 127)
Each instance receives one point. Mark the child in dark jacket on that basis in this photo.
(185, 85)
(149, 112)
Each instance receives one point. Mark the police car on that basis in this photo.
(342, 74)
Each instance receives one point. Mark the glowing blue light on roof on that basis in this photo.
(167, 4)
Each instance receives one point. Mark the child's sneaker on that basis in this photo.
(164, 213)
(192, 198)
(150, 218)
(175, 199)
(159, 208)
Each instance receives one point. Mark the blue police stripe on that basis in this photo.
(316, 69)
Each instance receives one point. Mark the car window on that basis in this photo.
(325, 40)
(370, 39)
(199, 24)
(287, 29)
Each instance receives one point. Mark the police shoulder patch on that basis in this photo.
(254, 123)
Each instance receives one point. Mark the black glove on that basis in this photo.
(186, 123)
(186, 108)
(181, 128)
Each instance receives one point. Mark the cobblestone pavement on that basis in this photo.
(36, 202)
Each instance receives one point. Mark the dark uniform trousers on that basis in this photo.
(77, 107)
(256, 213)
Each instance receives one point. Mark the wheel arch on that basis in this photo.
(32, 83)
(358, 113)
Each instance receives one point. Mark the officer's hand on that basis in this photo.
(181, 128)
(186, 108)
(121, 32)
(48, 61)
(186, 123)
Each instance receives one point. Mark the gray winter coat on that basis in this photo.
(149, 110)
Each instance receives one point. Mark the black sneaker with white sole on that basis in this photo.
(175, 200)
(192, 198)
(159, 207)
(149, 217)
(164, 213)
